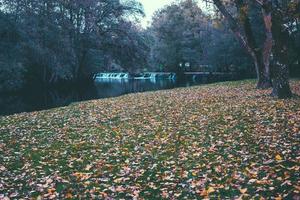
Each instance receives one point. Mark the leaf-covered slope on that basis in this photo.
(222, 140)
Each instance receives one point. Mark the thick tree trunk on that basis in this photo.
(281, 86)
(260, 57)
(263, 77)
(268, 44)
(262, 70)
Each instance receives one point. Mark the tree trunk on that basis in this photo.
(263, 77)
(260, 57)
(248, 42)
(268, 44)
(281, 86)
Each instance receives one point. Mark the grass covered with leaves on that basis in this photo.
(224, 140)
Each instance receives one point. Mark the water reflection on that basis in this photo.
(41, 99)
(112, 88)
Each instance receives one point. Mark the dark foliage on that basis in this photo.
(52, 41)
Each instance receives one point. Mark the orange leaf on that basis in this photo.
(243, 191)
(69, 195)
(278, 157)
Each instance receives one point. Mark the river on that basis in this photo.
(34, 100)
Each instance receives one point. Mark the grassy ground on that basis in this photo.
(223, 140)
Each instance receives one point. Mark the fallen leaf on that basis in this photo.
(278, 157)
(210, 190)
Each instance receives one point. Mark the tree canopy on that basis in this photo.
(57, 41)
(179, 31)
(70, 40)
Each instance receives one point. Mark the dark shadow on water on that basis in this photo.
(42, 99)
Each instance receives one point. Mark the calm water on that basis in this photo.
(40, 100)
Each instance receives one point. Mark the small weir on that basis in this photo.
(111, 76)
(194, 76)
(141, 76)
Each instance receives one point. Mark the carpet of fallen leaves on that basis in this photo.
(224, 140)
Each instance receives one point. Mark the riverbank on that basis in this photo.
(39, 98)
(223, 140)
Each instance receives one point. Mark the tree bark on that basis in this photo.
(267, 49)
(260, 58)
(268, 42)
(281, 86)
(263, 77)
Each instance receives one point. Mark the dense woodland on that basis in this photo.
(54, 42)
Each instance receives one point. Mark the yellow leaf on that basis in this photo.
(88, 167)
(86, 183)
(243, 191)
(118, 180)
(39, 197)
(278, 157)
(210, 190)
